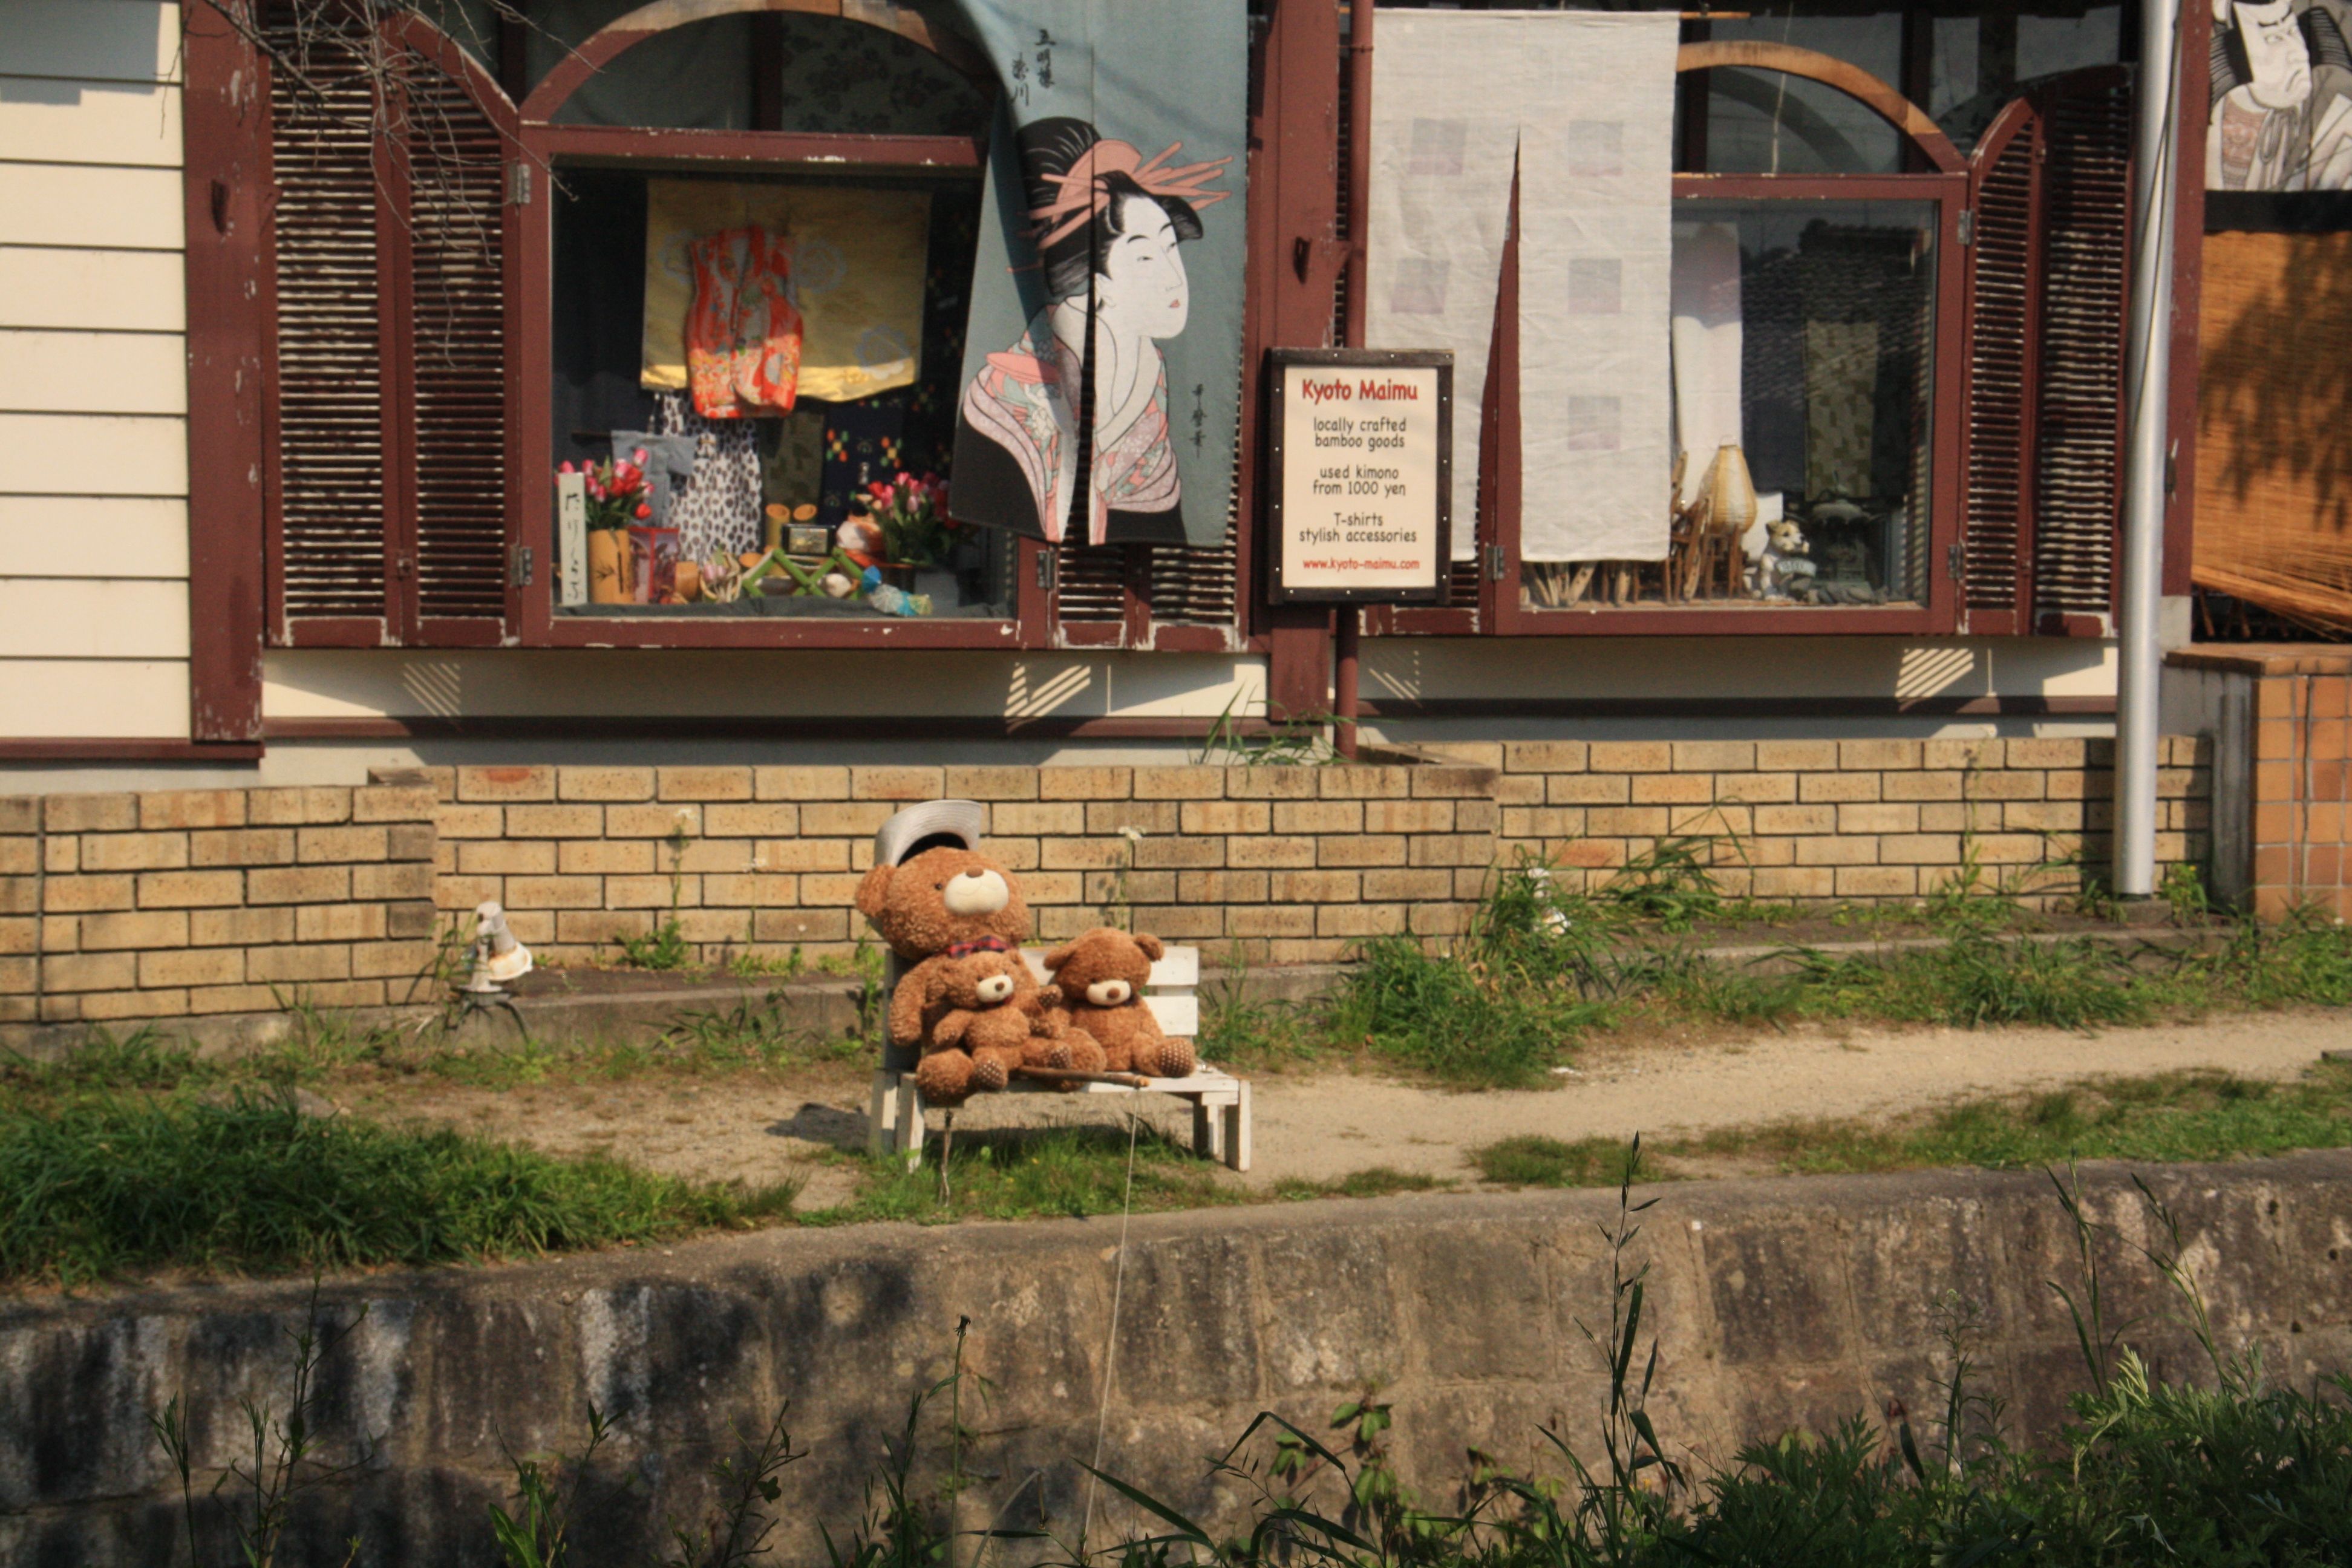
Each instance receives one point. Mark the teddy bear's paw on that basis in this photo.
(944, 1077)
(988, 1074)
(1169, 1058)
(1084, 1055)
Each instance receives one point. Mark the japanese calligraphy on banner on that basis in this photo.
(1110, 272)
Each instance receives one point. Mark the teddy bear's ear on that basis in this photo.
(874, 891)
(1153, 948)
(1061, 955)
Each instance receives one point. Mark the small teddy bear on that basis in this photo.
(1098, 984)
(982, 1034)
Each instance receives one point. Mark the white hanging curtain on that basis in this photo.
(1583, 104)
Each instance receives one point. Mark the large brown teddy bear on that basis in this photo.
(1098, 984)
(934, 909)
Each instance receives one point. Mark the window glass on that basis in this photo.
(1803, 343)
(687, 310)
(1767, 122)
(846, 77)
(1978, 63)
(694, 78)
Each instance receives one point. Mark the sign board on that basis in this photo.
(1364, 442)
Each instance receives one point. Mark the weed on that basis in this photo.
(1239, 1030)
(664, 947)
(749, 965)
(284, 1462)
(2183, 888)
(1431, 1014)
(1295, 742)
(1671, 882)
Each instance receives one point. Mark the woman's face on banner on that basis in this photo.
(1144, 288)
(2275, 52)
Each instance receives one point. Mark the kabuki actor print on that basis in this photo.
(1102, 371)
(2282, 97)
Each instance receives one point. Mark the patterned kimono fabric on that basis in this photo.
(743, 335)
(719, 508)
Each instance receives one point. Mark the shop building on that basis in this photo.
(303, 308)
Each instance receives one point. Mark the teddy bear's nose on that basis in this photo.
(978, 892)
(996, 988)
(1109, 993)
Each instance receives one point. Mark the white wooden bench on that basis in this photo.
(1220, 1102)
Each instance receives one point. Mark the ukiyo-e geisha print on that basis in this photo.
(1109, 225)
(2282, 100)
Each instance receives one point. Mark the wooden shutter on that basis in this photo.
(2050, 195)
(327, 520)
(457, 185)
(387, 512)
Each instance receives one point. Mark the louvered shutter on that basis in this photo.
(328, 498)
(457, 189)
(387, 510)
(2049, 198)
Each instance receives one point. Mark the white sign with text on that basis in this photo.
(1363, 483)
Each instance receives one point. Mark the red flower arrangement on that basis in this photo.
(617, 493)
(912, 510)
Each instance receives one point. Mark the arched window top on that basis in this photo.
(652, 21)
(1798, 115)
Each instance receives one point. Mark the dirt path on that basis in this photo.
(1329, 1124)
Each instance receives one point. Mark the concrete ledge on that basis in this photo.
(1777, 1303)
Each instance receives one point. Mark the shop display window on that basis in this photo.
(753, 358)
(1821, 327)
(1811, 431)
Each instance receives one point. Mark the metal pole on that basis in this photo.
(1360, 163)
(2149, 382)
(1343, 681)
(1360, 227)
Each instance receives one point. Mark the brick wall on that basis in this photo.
(1840, 819)
(161, 905)
(2281, 720)
(1306, 860)
(168, 904)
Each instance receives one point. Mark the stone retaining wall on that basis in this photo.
(1777, 1304)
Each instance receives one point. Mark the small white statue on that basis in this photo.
(1783, 567)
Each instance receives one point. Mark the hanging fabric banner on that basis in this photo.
(1446, 96)
(1461, 99)
(1115, 198)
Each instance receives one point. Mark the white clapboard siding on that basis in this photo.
(92, 372)
(80, 617)
(111, 698)
(94, 455)
(103, 41)
(93, 536)
(46, 120)
(65, 204)
(102, 290)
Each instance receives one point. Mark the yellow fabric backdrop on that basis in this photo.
(857, 277)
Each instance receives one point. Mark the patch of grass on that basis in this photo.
(1069, 1171)
(2162, 1117)
(1434, 1014)
(1378, 1181)
(1537, 1161)
(107, 1184)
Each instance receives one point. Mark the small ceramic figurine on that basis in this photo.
(1784, 569)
